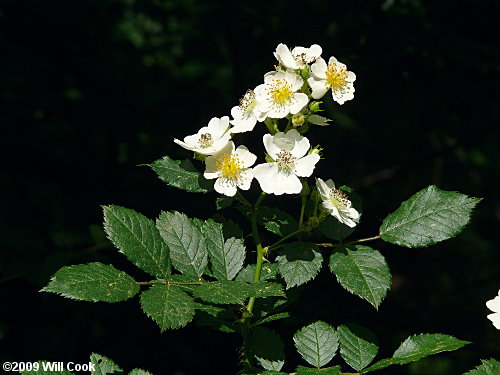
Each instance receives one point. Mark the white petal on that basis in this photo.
(245, 179)
(210, 167)
(236, 112)
(495, 318)
(218, 126)
(351, 77)
(299, 100)
(343, 94)
(319, 68)
(304, 167)
(285, 57)
(222, 187)
(286, 141)
(271, 148)
(333, 60)
(245, 156)
(270, 77)
(294, 80)
(183, 144)
(266, 174)
(318, 87)
(353, 214)
(279, 111)
(323, 188)
(244, 124)
(494, 304)
(287, 184)
(314, 52)
(302, 145)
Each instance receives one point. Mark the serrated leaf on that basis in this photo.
(46, 368)
(103, 365)
(363, 272)
(430, 216)
(301, 370)
(269, 271)
(357, 345)
(181, 174)
(272, 318)
(299, 263)
(235, 292)
(93, 282)
(317, 343)
(215, 317)
(138, 371)
(138, 238)
(276, 221)
(226, 258)
(332, 228)
(168, 306)
(188, 251)
(418, 347)
(268, 348)
(487, 367)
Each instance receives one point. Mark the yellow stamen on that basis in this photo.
(336, 75)
(229, 167)
(339, 199)
(280, 91)
(286, 162)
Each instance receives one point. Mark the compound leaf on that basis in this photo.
(357, 345)
(299, 263)
(103, 365)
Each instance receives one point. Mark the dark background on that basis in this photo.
(91, 89)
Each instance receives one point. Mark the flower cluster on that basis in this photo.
(290, 92)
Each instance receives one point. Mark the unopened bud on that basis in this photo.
(314, 106)
(298, 119)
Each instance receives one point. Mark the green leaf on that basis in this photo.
(227, 258)
(168, 306)
(301, 370)
(430, 216)
(46, 368)
(103, 365)
(188, 250)
(138, 371)
(138, 238)
(229, 227)
(277, 221)
(418, 347)
(235, 292)
(317, 343)
(223, 202)
(92, 282)
(488, 367)
(268, 271)
(268, 348)
(216, 317)
(363, 272)
(271, 318)
(357, 345)
(332, 227)
(181, 174)
(299, 262)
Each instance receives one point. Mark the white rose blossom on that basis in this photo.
(494, 305)
(297, 58)
(288, 150)
(336, 203)
(333, 76)
(231, 168)
(278, 95)
(209, 139)
(246, 115)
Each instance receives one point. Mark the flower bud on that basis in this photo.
(314, 106)
(298, 119)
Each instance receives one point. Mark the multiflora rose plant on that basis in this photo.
(210, 271)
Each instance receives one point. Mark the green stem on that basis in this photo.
(348, 243)
(260, 251)
(277, 243)
(271, 126)
(302, 209)
(240, 198)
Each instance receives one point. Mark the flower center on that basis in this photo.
(206, 140)
(248, 102)
(336, 75)
(280, 91)
(286, 162)
(229, 167)
(339, 199)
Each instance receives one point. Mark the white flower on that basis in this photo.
(494, 305)
(246, 115)
(333, 76)
(278, 95)
(299, 57)
(231, 169)
(336, 203)
(288, 150)
(209, 139)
